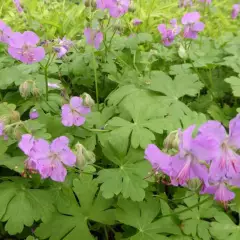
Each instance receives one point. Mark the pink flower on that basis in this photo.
(18, 6)
(74, 113)
(5, 32)
(136, 21)
(235, 10)
(192, 26)
(33, 114)
(118, 8)
(93, 37)
(48, 159)
(22, 46)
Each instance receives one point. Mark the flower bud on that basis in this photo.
(87, 100)
(15, 116)
(194, 184)
(182, 52)
(26, 88)
(84, 157)
(172, 140)
(33, 114)
(90, 3)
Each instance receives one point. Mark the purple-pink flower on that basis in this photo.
(226, 161)
(220, 191)
(48, 159)
(33, 114)
(206, 1)
(2, 126)
(211, 156)
(235, 10)
(5, 32)
(168, 35)
(193, 152)
(18, 6)
(102, 4)
(160, 161)
(22, 46)
(136, 21)
(192, 25)
(118, 8)
(63, 47)
(74, 112)
(93, 37)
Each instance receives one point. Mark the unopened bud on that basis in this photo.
(84, 157)
(15, 116)
(87, 100)
(171, 141)
(90, 3)
(33, 114)
(182, 52)
(194, 184)
(26, 88)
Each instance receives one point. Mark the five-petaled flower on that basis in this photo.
(74, 112)
(48, 159)
(93, 37)
(22, 46)
(192, 26)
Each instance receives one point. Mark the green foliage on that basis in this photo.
(74, 215)
(143, 92)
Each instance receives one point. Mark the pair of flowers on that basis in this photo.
(116, 8)
(210, 157)
(192, 26)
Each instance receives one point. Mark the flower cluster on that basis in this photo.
(48, 160)
(73, 114)
(116, 8)
(191, 27)
(22, 46)
(211, 157)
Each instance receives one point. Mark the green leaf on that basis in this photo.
(14, 163)
(235, 84)
(142, 216)
(128, 177)
(22, 206)
(183, 84)
(140, 119)
(193, 220)
(73, 214)
(224, 228)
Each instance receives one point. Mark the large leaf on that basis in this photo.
(224, 228)
(21, 206)
(193, 220)
(142, 216)
(73, 214)
(128, 177)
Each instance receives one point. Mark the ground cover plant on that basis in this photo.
(119, 119)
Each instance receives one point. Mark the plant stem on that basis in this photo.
(188, 209)
(46, 80)
(96, 80)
